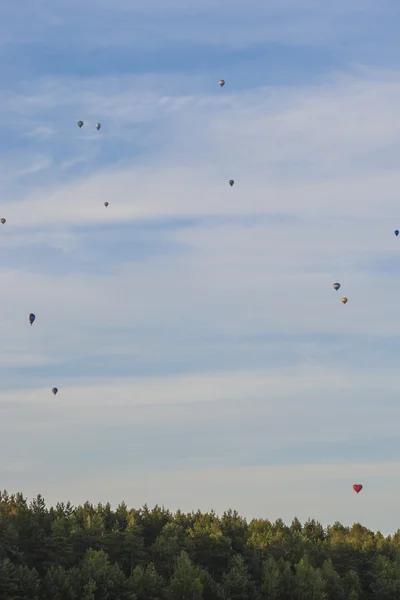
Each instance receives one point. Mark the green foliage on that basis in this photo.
(185, 582)
(146, 583)
(94, 553)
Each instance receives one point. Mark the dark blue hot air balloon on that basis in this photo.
(54, 390)
(396, 232)
(31, 318)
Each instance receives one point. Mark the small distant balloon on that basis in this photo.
(336, 286)
(31, 318)
(98, 126)
(231, 182)
(344, 300)
(54, 390)
(221, 82)
(105, 203)
(357, 487)
(396, 232)
(80, 123)
(3, 221)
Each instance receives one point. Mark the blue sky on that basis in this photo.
(202, 356)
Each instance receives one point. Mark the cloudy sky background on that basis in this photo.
(202, 356)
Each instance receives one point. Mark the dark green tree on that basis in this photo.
(236, 584)
(91, 552)
(271, 580)
(102, 578)
(186, 581)
(18, 582)
(309, 582)
(146, 583)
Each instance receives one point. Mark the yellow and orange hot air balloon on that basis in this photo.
(344, 300)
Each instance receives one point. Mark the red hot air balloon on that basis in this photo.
(357, 487)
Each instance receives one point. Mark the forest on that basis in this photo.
(95, 553)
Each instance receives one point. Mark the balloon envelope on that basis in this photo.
(231, 182)
(98, 126)
(54, 390)
(396, 232)
(344, 300)
(221, 82)
(80, 123)
(2, 221)
(357, 487)
(105, 203)
(336, 286)
(31, 318)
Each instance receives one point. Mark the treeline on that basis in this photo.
(95, 553)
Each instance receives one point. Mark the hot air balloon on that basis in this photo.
(98, 126)
(80, 123)
(231, 182)
(2, 221)
(396, 232)
(357, 487)
(336, 286)
(344, 300)
(31, 318)
(54, 390)
(221, 82)
(105, 203)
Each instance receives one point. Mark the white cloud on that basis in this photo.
(328, 150)
(282, 400)
(236, 24)
(326, 158)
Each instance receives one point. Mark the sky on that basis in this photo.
(202, 356)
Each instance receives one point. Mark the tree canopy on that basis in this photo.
(95, 553)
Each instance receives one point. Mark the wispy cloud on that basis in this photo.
(325, 150)
(233, 24)
(191, 327)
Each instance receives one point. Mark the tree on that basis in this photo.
(235, 527)
(146, 583)
(60, 584)
(309, 582)
(208, 546)
(334, 585)
(387, 579)
(288, 581)
(186, 582)
(18, 582)
(236, 584)
(352, 585)
(168, 546)
(102, 578)
(271, 580)
(59, 545)
(91, 552)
